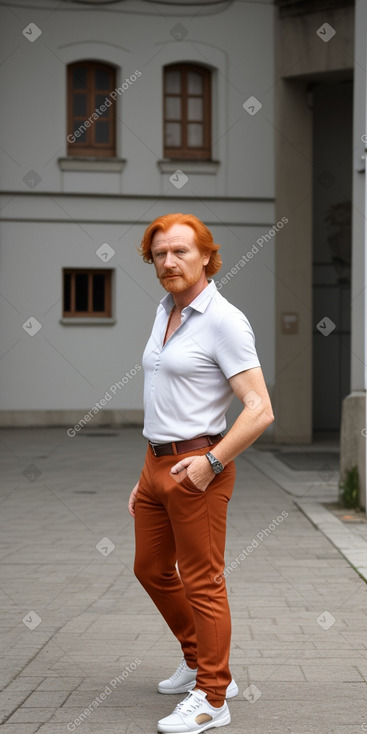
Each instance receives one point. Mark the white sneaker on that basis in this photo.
(184, 680)
(194, 714)
(232, 689)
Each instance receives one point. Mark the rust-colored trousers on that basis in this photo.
(178, 522)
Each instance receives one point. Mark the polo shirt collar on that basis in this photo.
(200, 303)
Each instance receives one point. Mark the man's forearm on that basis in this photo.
(245, 430)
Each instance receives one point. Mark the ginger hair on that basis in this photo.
(203, 238)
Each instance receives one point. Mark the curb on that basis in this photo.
(350, 545)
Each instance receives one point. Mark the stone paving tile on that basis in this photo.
(96, 619)
(103, 714)
(25, 715)
(362, 667)
(19, 728)
(93, 728)
(48, 699)
(10, 701)
(59, 684)
(275, 671)
(25, 683)
(342, 672)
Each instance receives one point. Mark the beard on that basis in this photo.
(183, 282)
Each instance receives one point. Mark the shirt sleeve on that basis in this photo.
(235, 345)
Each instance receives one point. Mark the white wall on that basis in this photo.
(63, 220)
(33, 77)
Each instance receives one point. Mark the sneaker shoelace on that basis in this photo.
(189, 704)
(179, 670)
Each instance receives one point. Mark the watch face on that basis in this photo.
(216, 465)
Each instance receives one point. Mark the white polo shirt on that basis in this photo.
(186, 388)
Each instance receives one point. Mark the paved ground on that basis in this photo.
(314, 491)
(299, 650)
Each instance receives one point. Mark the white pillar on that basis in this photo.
(354, 409)
(361, 18)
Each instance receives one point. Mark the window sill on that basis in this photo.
(92, 164)
(206, 167)
(88, 321)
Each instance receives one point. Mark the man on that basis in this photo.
(200, 354)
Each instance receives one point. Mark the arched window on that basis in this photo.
(91, 111)
(187, 112)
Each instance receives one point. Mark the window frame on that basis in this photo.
(91, 148)
(107, 313)
(203, 153)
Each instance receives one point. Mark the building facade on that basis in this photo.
(245, 114)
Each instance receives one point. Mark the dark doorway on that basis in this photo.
(332, 195)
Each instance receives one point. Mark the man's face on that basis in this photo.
(178, 261)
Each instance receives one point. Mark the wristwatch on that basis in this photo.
(215, 464)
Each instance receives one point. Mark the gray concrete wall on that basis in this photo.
(75, 206)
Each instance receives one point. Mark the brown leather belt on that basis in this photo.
(181, 447)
